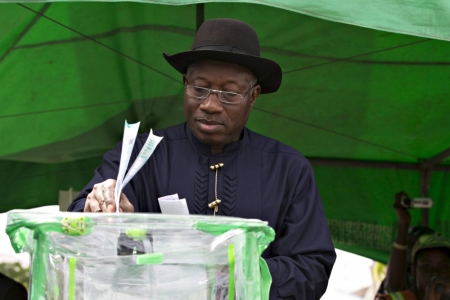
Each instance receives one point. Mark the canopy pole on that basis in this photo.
(425, 176)
(200, 14)
(426, 167)
(435, 159)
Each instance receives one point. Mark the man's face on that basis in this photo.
(430, 263)
(211, 121)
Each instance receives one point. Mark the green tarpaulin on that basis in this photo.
(72, 72)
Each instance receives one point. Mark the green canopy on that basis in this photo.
(369, 108)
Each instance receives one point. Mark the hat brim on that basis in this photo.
(426, 244)
(267, 71)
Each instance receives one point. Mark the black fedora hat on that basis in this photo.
(233, 41)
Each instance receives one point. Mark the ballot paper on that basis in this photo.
(172, 205)
(129, 137)
(144, 154)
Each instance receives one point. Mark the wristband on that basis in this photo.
(399, 246)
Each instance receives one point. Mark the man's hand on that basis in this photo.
(437, 289)
(101, 199)
(404, 218)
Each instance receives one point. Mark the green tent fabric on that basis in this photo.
(426, 19)
(72, 72)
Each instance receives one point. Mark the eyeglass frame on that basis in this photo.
(218, 92)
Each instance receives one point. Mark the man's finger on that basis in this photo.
(110, 202)
(87, 207)
(103, 206)
(93, 204)
(125, 204)
(98, 197)
(101, 198)
(108, 188)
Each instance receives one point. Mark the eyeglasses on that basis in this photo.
(202, 93)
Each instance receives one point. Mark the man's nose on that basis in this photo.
(212, 103)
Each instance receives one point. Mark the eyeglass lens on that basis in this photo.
(203, 93)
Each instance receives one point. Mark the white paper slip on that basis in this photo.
(169, 197)
(173, 207)
(129, 137)
(143, 156)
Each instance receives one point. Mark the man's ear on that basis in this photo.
(255, 94)
(184, 79)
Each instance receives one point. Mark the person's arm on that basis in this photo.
(398, 262)
(98, 194)
(302, 254)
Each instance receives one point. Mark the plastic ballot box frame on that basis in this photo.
(142, 256)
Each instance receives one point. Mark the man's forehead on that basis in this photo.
(433, 253)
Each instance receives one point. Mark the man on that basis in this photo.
(399, 273)
(430, 270)
(214, 156)
(431, 258)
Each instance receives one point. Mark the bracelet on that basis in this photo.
(399, 246)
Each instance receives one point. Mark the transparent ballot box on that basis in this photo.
(142, 256)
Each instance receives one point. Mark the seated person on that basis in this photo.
(430, 270)
(399, 275)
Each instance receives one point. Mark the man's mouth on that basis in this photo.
(209, 125)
